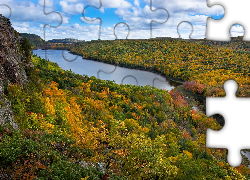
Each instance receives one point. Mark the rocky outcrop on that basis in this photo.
(100, 166)
(14, 62)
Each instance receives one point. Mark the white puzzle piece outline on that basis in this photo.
(236, 112)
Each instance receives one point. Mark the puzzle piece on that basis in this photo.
(131, 76)
(5, 10)
(191, 28)
(179, 37)
(219, 29)
(64, 54)
(100, 25)
(55, 26)
(237, 121)
(116, 63)
(153, 21)
(155, 78)
(81, 63)
(189, 11)
(101, 20)
(98, 76)
(99, 37)
(123, 24)
(151, 29)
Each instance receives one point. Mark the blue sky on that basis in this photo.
(29, 17)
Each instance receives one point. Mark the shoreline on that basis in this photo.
(178, 84)
(172, 81)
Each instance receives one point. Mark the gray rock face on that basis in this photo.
(6, 114)
(100, 166)
(12, 62)
(12, 67)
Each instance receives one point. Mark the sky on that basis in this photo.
(120, 19)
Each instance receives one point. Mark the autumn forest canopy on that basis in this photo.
(139, 132)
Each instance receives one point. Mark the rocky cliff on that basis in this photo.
(14, 62)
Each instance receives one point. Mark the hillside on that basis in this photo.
(34, 40)
(236, 44)
(203, 68)
(37, 42)
(78, 127)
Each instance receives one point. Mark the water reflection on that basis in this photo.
(105, 71)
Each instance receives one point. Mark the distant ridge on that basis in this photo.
(33, 39)
(37, 42)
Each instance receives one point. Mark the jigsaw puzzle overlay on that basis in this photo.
(236, 113)
(232, 136)
(236, 12)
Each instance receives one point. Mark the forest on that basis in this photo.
(69, 122)
(203, 68)
(33, 39)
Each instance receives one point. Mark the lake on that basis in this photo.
(104, 71)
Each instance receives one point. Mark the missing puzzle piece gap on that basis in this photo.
(235, 132)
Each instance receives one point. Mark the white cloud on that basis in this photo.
(25, 11)
(137, 3)
(21, 24)
(71, 8)
(26, 27)
(47, 3)
(237, 30)
(90, 20)
(102, 9)
(193, 11)
(73, 31)
(187, 6)
(73, 1)
(137, 15)
(109, 3)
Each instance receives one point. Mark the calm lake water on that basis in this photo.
(104, 71)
